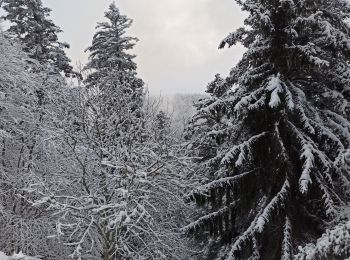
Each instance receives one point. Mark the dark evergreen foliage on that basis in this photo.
(119, 92)
(30, 24)
(273, 138)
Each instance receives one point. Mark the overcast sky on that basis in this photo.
(177, 51)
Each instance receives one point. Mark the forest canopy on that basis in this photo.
(94, 167)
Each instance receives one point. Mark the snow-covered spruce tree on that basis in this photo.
(204, 135)
(111, 128)
(110, 197)
(273, 138)
(31, 24)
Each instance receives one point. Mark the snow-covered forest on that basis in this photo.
(94, 167)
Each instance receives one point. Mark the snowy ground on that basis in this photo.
(19, 256)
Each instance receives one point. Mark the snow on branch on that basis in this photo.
(222, 182)
(310, 52)
(256, 250)
(242, 152)
(287, 246)
(300, 100)
(308, 157)
(339, 122)
(259, 13)
(334, 243)
(275, 87)
(309, 154)
(289, 98)
(327, 199)
(334, 36)
(249, 99)
(343, 158)
(233, 38)
(280, 141)
(327, 133)
(213, 107)
(276, 202)
(210, 217)
(248, 235)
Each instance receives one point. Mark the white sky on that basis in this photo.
(177, 51)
